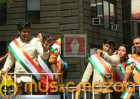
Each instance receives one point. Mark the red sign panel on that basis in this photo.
(74, 45)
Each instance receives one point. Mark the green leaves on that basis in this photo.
(6, 3)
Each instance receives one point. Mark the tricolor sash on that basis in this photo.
(44, 64)
(119, 72)
(56, 47)
(135, 63)
(126, 95)
(24, 59)
(99, 65)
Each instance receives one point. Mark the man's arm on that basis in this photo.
(112, 59)
(126, 77)
(128, 72)
(4, 57)
(9, 62)
(87, 72)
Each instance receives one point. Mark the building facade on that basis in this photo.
(98, 19)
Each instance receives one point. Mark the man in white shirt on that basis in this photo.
(33, 47)
(110, 60)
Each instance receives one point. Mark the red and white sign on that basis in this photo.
(74, 45)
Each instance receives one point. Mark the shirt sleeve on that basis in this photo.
(9, 62)
(87, 73)
(53, 58)
(41, 51)
(112, 59)
(129, 69)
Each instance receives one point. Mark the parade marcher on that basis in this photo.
(111, 62)
(23, 53)
(55, 59)
(42, 36)
(133, 70)
(123, 52)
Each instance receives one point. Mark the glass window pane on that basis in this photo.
(112, 10)
(33, 16)
(33, 5)
(99, 10)
(106, 14)
(112, 13)
(99, 1)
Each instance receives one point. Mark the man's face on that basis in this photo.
(136, 45)
(24, 34)
(108, 48)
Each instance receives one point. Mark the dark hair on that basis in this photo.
(22, 25)
(44, 35)
(136, 37)
(127, 50)
(126, 47)
(109, 41)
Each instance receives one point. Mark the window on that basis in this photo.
(3, 11)
(33, 11)
(104, 9)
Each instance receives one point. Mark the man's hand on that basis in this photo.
(124, 82)
(48, 43)
(2, 72)
(116, 52)
(99, 52)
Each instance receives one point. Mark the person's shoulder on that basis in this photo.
(34, 40)
(18, 39)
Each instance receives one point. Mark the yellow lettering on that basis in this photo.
(30, 86)
(54, 88)
(107, 88)
(43, 90)
(67, 86)
(132, 89)
(99, 89)
(118, 89)
(84, 86)
(61, 89)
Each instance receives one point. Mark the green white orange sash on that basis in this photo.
(119, 72)
(136, 63)
(99, 64)
(56, 47)
(44, 64)
(126, 95)
(24, 59)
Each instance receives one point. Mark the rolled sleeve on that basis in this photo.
(112, 59)
(53, 58)
(129, 69)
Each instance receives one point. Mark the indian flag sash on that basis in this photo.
(119, 72)
(135, 63)
(24, 59)
(44, 65)
(56, 47)
(99, 64)
(126, 95)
